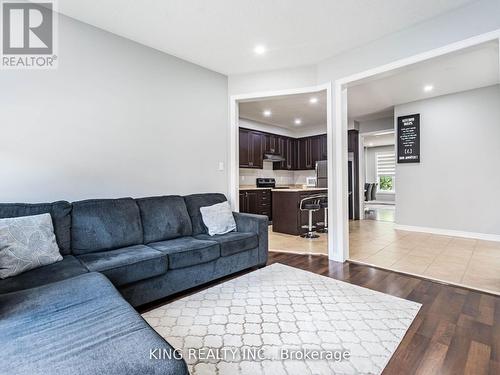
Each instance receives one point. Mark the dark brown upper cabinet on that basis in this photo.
(288, 149)
(323, 147)
(353, 141)
(304, 154)
(299, 154)
(251, 153)
(271, 143)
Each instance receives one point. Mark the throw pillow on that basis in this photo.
(218, 218)
(26, 243)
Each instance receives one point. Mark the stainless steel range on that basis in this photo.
(266, 183)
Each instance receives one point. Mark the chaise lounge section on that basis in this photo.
(74, 316)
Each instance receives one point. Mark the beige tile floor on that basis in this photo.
(467, 262)
(295, 244)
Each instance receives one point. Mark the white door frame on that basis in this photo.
(334, 248)
(340, 121)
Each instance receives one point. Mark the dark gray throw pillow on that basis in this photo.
(26, 243)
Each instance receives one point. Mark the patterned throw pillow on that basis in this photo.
(218, 218)
(26, 243)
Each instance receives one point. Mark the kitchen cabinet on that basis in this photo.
(352, 140)
(315, 150)
(311, 150)
(271, 143)
(251, 154)
(323, 147)
(304, 153)
(353, 183)
(256, 201)
(289, 152)
(299, 154)
(287, 216)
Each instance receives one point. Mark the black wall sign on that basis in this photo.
(409, 139)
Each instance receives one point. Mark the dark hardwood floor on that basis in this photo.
(457, 331)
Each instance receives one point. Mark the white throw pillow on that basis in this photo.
(26, 243)
(218, 218)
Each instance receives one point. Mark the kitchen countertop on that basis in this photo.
(298, 189)
(283, 188)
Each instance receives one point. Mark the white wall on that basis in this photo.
(456, 185)
(115, 119)
(376, 125)
(282, 79)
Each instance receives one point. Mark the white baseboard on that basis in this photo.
(449, 232)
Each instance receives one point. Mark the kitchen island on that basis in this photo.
(287, 217)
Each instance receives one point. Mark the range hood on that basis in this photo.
(273, 158)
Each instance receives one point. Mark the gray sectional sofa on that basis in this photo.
(75, 316)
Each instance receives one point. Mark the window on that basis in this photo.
(386, 171)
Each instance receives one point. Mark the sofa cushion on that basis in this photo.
(164, 218)
(80, 325)
(128, 264)
(60, 213)
(105, 224)
(187, 251)
(218, 218)
(233, 242)
(26, 243)
(66, 268)
(193, 204)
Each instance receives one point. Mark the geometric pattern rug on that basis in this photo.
(281, 320)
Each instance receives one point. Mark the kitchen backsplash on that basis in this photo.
(248, 176)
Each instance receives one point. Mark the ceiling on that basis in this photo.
(467, 69)
(285, 109)
(221, 34)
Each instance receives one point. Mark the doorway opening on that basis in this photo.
(450, 100)
(279, 166)
(380, 181)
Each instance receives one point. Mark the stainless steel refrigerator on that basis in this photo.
(322, 174)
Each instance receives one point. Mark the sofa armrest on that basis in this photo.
(255, 224)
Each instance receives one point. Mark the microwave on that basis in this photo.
(311, 181)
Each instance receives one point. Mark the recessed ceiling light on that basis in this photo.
(260, 49)
(313, 100)
(428, 88)
(267, 113)
(297, 121)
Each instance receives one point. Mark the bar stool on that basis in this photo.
(310, 204)
(324, 224)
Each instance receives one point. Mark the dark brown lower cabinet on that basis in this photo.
(256, 201)
(287, 217)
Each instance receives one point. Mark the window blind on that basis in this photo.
(386, 164)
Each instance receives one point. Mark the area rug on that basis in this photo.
(283, 320)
